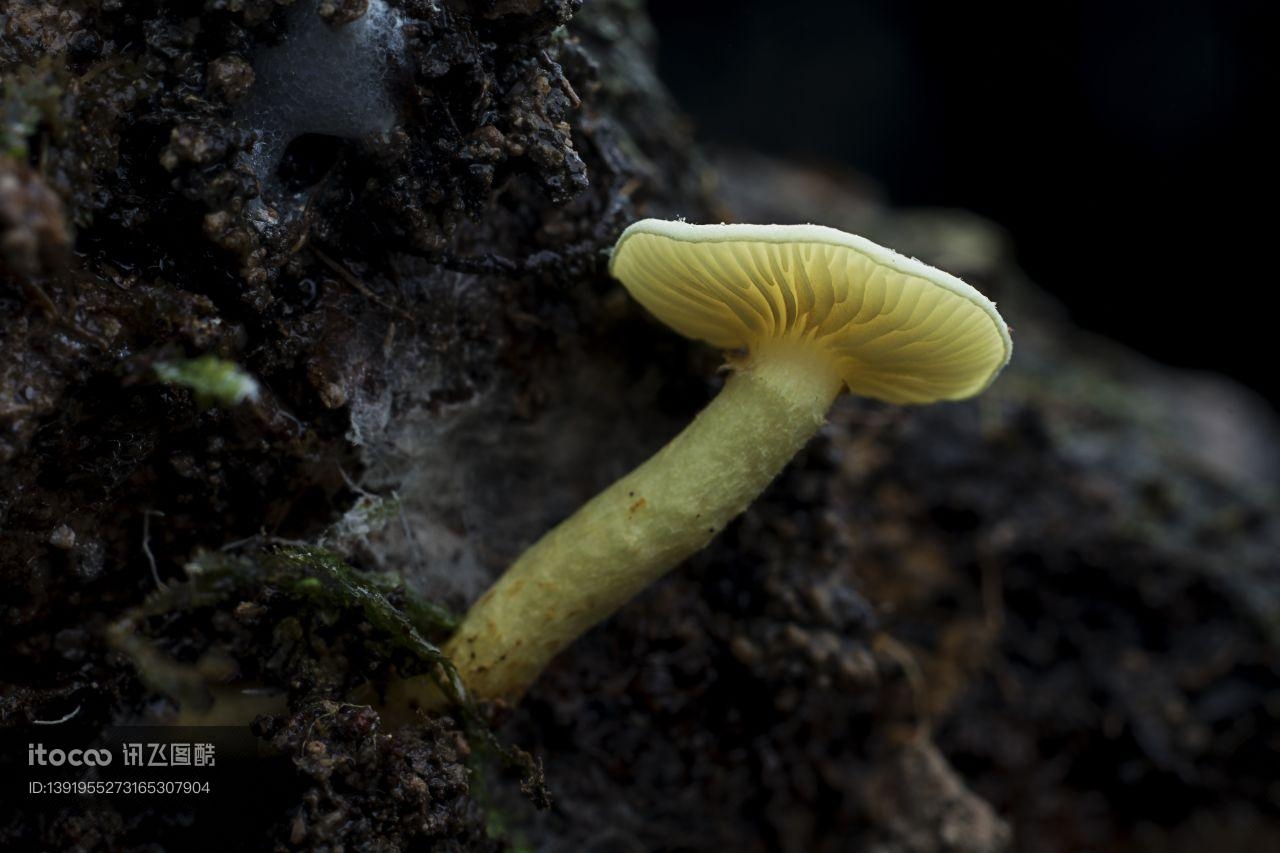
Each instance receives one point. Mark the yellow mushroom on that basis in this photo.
(808, 311)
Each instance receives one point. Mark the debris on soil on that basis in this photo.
(399, 789)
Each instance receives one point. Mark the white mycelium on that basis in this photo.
(323, 79)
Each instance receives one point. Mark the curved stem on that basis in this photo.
(639, 528)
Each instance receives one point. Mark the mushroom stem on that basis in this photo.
(641, 527)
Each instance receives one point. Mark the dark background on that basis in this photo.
(1121, 143)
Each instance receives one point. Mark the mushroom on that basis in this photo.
(807, 311)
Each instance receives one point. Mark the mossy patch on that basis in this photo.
(212, 379)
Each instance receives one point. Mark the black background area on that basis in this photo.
(1121, 143)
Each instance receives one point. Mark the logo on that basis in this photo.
(38, 755)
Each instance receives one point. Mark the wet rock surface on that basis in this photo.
(1045, 618)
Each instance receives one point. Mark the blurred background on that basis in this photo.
(1120, 142)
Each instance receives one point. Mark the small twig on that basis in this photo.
(58, 721)
(338, 706)
(49, 305)
(105, 65)
(347, 276)
(240, 543)
(488, 264)
(353, 485)
(538, 262)
(304, 225)
(415, 550)
(564, 81)
(146, 545)
(56, 314)
(266, 539)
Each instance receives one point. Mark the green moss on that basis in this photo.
(214, 380)
(320, 580)
(407, 630)
(369, 514)
(207, 586)
(305, 585)
(327, 577)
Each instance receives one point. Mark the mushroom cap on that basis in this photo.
(896, 329)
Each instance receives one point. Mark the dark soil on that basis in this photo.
(1046, 619)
